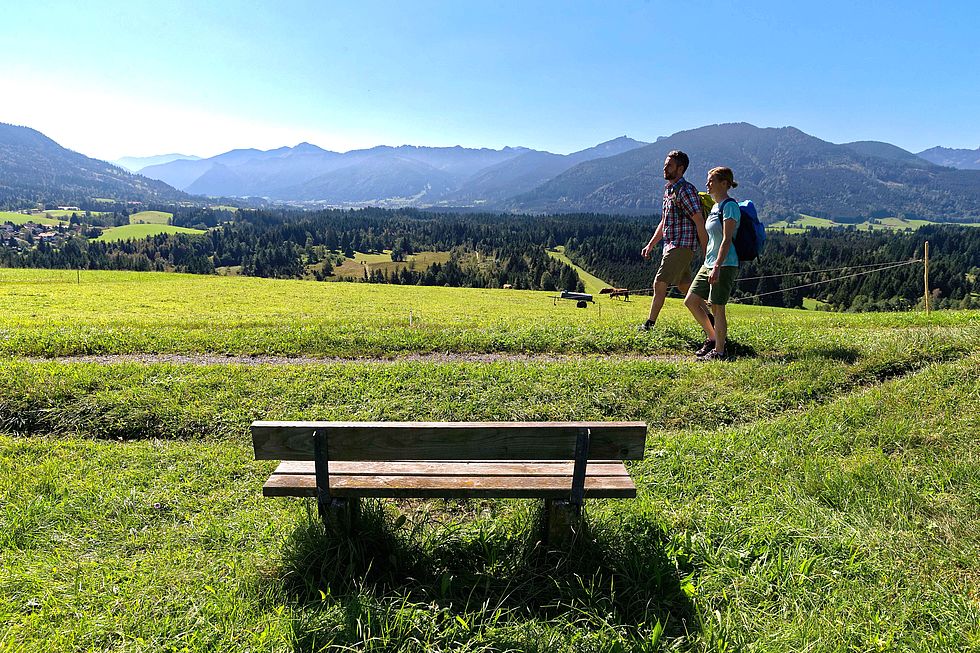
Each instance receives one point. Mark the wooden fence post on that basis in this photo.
(925, 277)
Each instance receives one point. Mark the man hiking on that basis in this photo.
(681, 228)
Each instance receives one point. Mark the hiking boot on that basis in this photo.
(705, 348)
(713, 356)
(646, 326)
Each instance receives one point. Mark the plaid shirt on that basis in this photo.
(681, 201)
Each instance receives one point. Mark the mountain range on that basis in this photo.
(137, 163)
(418, 175)
(783, 170)
(34, 169)
(954, 158)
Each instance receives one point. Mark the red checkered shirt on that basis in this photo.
(681, 201)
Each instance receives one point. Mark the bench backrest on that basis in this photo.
(379, 441)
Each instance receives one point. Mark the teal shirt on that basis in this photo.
(716, 234)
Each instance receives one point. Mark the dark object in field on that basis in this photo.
(339, 462)
(578, 296)
(616, 292)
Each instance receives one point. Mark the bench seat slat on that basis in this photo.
(608, 480)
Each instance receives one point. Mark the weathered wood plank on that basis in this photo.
(304, 485)
(379, 441)
(454, 468)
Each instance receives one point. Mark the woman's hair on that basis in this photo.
(724, 174)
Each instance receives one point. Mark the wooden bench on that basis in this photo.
(561, 462)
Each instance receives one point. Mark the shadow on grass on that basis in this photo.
(484, 574)
(841, 353)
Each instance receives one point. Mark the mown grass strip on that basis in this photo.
(134, 400)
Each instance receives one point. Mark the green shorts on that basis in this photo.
(675, 267)
(717, 293)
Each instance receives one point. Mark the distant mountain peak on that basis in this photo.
(952, 157)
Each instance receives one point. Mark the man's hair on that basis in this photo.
(679, 158)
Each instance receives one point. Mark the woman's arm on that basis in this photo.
(729, 227)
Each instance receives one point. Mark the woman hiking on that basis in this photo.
(716, 278)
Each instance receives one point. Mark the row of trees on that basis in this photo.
(794, 260)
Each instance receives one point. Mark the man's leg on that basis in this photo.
(659, 296)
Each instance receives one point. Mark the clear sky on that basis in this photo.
(143, 77)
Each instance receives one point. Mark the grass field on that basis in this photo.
(593, 284)
(66, 215)
(812, 304)
(139, 231)
(800, 225)
(20, 218)
(818, 493)
(354, 268)
(151, 217)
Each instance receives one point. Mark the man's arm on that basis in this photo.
(698, 220)
(658, 235)
(691, 203)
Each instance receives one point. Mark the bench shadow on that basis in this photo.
(618, 576)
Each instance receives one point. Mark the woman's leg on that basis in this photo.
(699, 309)
(721, 327)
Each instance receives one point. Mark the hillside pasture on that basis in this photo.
(354, 268)
(151, 217)
(804, 222)
(593, 284)
(22, 218)
(817, 493)
(143, 230)
(66, 215)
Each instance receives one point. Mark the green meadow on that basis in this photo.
(65, 215)
(819, 492)
(21, 218)
(593, 284)
(355, 267)
(804, 222)
(142, 230)
(151, 217)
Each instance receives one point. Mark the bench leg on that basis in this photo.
(340, 512)
(563, 521)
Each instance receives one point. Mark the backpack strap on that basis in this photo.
(721, 209)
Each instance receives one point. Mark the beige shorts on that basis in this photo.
(675, 267)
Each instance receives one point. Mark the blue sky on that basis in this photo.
(137, 78)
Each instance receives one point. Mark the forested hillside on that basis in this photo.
(36, 170)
